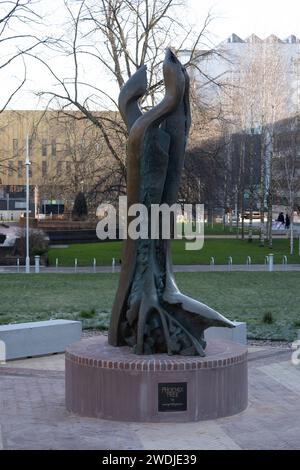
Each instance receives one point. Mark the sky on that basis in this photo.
(242, 17)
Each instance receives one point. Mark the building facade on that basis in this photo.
(64, 153)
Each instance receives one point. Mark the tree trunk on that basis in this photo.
(262, 191)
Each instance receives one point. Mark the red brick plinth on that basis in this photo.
(113, 383)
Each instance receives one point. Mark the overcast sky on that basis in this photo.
(243, 17)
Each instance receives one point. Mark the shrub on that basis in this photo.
(38, 242)
(80, 210)
(268, 318)
(88, 313)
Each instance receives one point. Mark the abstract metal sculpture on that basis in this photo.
(150, 314)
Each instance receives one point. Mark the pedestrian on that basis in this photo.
(280, 218)
(287, 221)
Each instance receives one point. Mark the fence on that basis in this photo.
(36, 266)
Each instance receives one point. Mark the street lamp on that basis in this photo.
(27, 163)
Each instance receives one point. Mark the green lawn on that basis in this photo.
(219, 229)
(241, 296)
(220, 249)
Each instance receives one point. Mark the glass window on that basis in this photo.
(44, 168)
(44, 147)
(10, 171)
(29, 147)
(15, 147)
(58, 168)
(68, 167)
(20, 168)
(53, 148)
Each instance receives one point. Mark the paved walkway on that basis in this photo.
(33, 414)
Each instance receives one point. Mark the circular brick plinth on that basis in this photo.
(113, 383)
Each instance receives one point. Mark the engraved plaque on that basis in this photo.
(172, 396)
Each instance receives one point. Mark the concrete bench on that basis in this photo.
(38, 338)
(237, 334)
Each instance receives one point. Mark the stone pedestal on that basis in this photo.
(113, 383)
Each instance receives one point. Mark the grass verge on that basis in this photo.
(243, 296)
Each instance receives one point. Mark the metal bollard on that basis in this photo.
(249, 262)
(75, 265)
(37, 264)
(284, 262)
(212, 263)
(18, 265)
(94, 265)
(113, 265)
(271, 262)
(229, 263)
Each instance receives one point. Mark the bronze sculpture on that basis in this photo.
(150, 314)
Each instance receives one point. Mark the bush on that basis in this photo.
(268, 318)
(80, 210)
(88, 313)
(38, 242)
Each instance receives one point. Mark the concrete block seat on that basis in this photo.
(30, 339)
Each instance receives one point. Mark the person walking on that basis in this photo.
(280, 218)
(287, 221)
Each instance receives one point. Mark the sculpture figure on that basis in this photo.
(150, 314)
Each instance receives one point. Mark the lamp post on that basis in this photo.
(27, 163)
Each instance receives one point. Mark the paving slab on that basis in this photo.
(285, 373)
(1, 442)
(204, 435)
(50, 362)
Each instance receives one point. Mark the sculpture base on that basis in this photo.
(103, 381)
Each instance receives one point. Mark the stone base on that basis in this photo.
(113, 383)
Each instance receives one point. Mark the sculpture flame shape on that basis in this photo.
(150, 314)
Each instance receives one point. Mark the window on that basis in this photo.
(67, 150)
(53, 148)
(15, 147)
(58, 169)
(20, 168)
(29, 146)
(44, 168)
(68, 167)
(10, 171)
(44, 147)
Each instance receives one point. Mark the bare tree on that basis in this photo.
(16, 16)
(16, 38)
(287, 170)
(82, 163)
(259, 97)
(114, 37)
